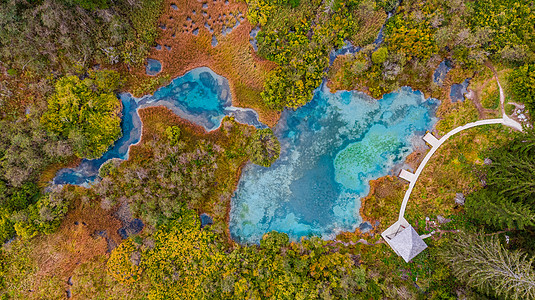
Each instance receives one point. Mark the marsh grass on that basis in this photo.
(40, 268)
(455, 168)
(233, 57)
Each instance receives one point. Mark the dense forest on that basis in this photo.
(62, 63)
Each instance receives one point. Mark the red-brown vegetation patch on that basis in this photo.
(76, 242)
(17, 92)
(369, 28)
(233, 57)
(383, 202)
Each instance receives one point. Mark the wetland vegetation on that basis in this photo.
(64, 63)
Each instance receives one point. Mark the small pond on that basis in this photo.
(200, 96)
(347, 48)
(442, 70)
(331, 149)
(153, 66)
(252, 37)
(458, 90)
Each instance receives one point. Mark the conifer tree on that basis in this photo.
(485, 264)
(512, 169)
(492, 209)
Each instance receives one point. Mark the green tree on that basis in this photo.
(380, 56)
(89, 4)
(274, 241)
(299, 35)
(511, 171)
(173, 134)
(522, 83)
(6, 226)
(89, 119)
(485, 264)
(44, 216)
(189, 262)
(489, 207)
(264, 147)
(121, 265)
(69, 35)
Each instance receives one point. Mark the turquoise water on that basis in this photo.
(200, 96)
(331, 149)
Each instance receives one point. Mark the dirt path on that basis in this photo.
(482, 112)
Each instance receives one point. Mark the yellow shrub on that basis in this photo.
(120, 265)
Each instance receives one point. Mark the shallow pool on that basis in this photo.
(154, 66)
(331, 149)
(441, 71)
(459, 90)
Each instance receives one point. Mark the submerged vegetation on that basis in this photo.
(63, 61)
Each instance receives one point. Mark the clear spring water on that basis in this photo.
(200, 96)
(154, 66)
(331, 148)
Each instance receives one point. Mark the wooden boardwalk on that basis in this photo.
(436, 143)
(401, 224)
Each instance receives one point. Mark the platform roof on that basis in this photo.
(404, 240)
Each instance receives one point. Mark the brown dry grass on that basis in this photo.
(18, 92)
(58, 255)
(369, 29)
(73, 244)
(233, 57)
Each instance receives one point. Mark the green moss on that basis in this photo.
(264, 147)
(460, 114)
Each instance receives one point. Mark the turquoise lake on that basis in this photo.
(331, 149)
